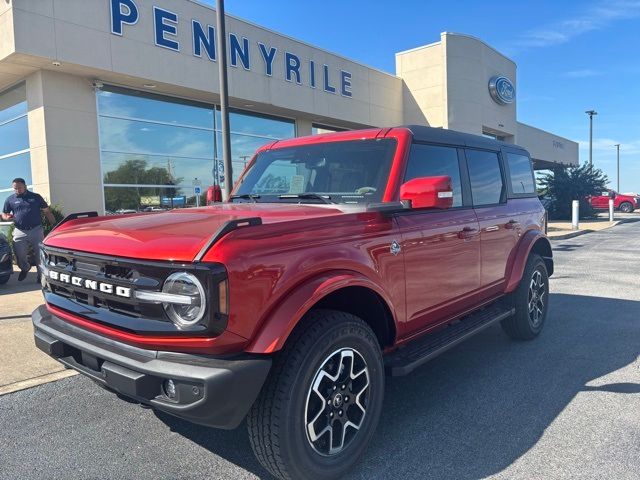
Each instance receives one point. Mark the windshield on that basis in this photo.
(332, 172)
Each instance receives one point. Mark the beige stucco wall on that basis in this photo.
(547, 146)
(423, 71)
(63, 137)
(470, 63)
(77, 33)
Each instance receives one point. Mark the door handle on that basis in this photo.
(467, 232)
(511, 224)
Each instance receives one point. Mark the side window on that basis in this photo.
(432, 161)
(486, 179)
(520, 174)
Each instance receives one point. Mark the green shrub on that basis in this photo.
(563, 186)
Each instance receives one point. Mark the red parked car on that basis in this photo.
(338, 258)
(621, 202)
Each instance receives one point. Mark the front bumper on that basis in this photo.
(212, 391)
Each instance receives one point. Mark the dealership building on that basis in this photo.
(114, 104)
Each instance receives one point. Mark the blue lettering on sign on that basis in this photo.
(292, 65)
(327, 86)
(165, 22)
(200, 39)
(345, 83)
(120, 16)
(268, 57)
(312, 74)
(165, 29)
(239, 51)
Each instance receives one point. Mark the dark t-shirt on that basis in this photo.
(25, 209)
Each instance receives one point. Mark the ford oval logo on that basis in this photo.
(502, 90)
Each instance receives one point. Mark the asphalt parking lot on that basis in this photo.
(566, 405)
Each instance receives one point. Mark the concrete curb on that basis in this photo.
(577, 233)
(34, 382)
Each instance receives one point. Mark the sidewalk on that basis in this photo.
(561, 230)
(22, 365)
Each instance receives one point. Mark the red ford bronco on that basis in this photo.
(339, 259)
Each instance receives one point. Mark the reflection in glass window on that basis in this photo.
(114, 104)
(144, 199)
(153, 141)
(14, 138)
(13, 167)
(434, 161)
(255, 124)
(130, 168)
(118, 135)
(486, 178)
(317, 129)
(520, 174)
(13, 103)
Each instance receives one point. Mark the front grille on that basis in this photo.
(70, 290)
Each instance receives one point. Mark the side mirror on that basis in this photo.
(428, 192)
(214, 194)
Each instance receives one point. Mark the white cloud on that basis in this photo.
(596, 17)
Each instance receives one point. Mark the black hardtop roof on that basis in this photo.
(453, 137)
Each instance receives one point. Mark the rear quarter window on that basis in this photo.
(520, 174)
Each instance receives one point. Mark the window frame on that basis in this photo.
(464, 178)
(516, 151)
(501, 166)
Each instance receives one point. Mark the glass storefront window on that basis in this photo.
(153, 142)
(118, 135)
(260, 125)
(140, 199)
(13, 167)
(15, 160)
(317, 129)
(119, 105)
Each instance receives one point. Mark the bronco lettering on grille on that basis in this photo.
(90, 284)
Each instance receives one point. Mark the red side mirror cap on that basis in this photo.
(428, 192)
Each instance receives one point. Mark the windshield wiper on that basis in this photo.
(246, 196)
(302, 196)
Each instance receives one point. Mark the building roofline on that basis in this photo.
(479, 40)
(288, 37)
(547, 132)
(457, 35)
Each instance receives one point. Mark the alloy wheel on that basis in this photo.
(337, 402)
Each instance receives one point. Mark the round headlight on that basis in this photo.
(187, 285)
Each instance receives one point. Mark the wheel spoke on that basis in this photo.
(336, 401)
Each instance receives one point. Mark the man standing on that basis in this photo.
(24, 208)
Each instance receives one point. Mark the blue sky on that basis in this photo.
(572, 56)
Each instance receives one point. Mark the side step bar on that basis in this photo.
(420, 351)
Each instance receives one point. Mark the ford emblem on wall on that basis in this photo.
(502, 90)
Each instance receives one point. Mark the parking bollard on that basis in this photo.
(611, 209)
(575, 211)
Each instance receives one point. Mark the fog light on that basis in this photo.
(170, 389)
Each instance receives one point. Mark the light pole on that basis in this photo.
(617, 145)
(224, 98)
(591, 113)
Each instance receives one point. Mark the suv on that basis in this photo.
(338, 259)
(622, 202)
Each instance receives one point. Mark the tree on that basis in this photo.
(564, 185)
(134, 171)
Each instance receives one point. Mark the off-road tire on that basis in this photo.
(626, 207)
(277, 422)
(527, 322)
